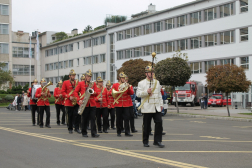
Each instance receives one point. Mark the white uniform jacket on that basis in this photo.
(155, 101)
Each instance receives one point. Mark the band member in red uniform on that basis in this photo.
(43, 103)
(33, 102)
(101, 105)
(82, 78)
(90, 109)
(59, 103)
(71, 108)
(122, 105)
(111, 107)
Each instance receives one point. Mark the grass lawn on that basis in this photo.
(4, 104)
(246, 113)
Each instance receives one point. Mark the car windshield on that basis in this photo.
(185, 87)
(215, 97)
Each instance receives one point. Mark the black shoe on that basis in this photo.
(78, 131)
(95, 136)
(70, 131)
(163, 133)
(113, 128)
(146, 145)
(41, 126)
(48, 126)
(129, 135)
(119, 135)
(159, 144)
(88, 128)
(58, 124)
(134, 131)
(108, 128)
(150, 133)
(85, 136)
(123, 131)
(105, 131)
(99, 131)
(63, 123)
(33, 125)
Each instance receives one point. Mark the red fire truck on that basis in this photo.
(189, 93)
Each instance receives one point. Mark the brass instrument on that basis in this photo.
(43, 88)
(74, 101)
(122, 88)
(86, 96)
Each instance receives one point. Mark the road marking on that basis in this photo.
(170, 141)
(107, 149)
(242, 126)
(213, 137)
(191, 151)
(198, 122)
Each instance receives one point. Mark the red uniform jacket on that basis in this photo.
(123, 101)
(81, 87)
(56, 94)
(29, 95)
(105, 99)
(111, 100)
(67, 87)
(162, 92)
(42, 100)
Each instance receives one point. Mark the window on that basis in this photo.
(127, 33)
(78, 61)
(95, 59)
(209, 64)
(4, 29)
(95, 75)
(210, 14)
(71, 47)
(158, 48)
(227, 37)
(227, 61)
(169, 24)
(147, 50)
(119, 55)
(4, 9)
(47, 52)
(55, 80)
(196, 67)
(182, 44)
(66, 48)
(53, 38)
(245, 62)
(182, 21)
(84, 44)
(22, 52)
(87, 44)
(170, 46)
(55, 51)
(103, 40)
(51, 66)
(65, 64)
(138, 52)
(55, 66)
(103, 75)
(244, 34)
(84, 61)
(60, 50)
(21, 83)
(46, 67)
(78, 46)
(226, 10)
(23, 70)
(61, 65)
(102, 58)
(147, 29)
(4, 48)
(128, 53)
(137, 31)
(47, 80)
(244, 5)
(95, 41)
(70, 63)
(119, 35)
(195, 42)
(6, 67)
(210, 40)
(195, 17)
(88, 60)
(158, 26)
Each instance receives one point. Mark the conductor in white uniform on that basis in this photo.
(152, 105)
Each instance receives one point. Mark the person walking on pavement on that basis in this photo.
(25, 102)
(202, 101)
(206, 100)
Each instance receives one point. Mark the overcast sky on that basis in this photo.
(64, 15)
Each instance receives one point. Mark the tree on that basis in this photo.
(173, 71)
(61, 36)
(88, 29)
(114, 19)
(134, 69)
(5, 76)
(64, 78)
(227, 78)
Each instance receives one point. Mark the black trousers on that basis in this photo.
(104, 113)
(125, 113)
(33, 111)
(89, 113)
(157, 117)
(41, 113)
(111, 112)
(72, 112)
(132, 119)
(58, 108)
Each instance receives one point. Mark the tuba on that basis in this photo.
(122, 88)
(43, 88)
(87, 95)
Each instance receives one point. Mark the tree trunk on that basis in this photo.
(227, 105)
(176, 101)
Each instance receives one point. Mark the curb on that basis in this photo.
(211, 117)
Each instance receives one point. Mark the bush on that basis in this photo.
(51, 100)
(1, 99)
(9, 97)
(3, 92)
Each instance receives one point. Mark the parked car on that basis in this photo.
(225, 100)
(215, 100)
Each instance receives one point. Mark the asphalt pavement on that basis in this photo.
(190, 142)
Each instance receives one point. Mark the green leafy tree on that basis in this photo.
(134, 69)
(64, 78)
(88, 29)
(227, 78)
(5, 76)
(100, 27)
(173, 71)
(26, 87)
(61, 36)
(115, 19)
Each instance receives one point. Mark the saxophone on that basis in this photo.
(86, 96)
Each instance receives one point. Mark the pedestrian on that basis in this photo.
(202, 101)
(19, 102)
(206, 100)
(25, 101)
(22, 100)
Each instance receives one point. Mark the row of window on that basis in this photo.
(22, 70)
(21, 84)
(4, 29)
(226, 37)
(22, 52)
(4, 9)
(69, 63)
(187, 19)
(4, 48)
